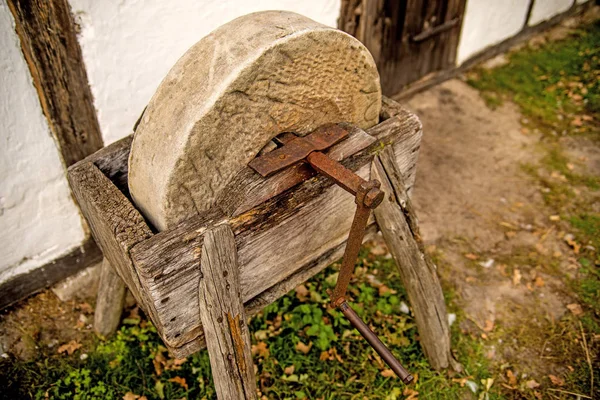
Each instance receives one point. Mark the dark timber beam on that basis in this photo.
(49, 43)
(48, 37)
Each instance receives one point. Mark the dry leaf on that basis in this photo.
(489, 326)
(516, 277)
(301, 347)
(410, 394)
(555, 218)
(556, 380)
(577, 122)
(570, 239)
(462, 381)
(261, 349)
(539, 281)
(133, 396)
(86, 308)
(532, 384)
(471, 256)
(70, 347)
(384, 290)
(387, 373)
(302, 292)
(181, 381)
(512, 379)
(575, 309)
(289, 370)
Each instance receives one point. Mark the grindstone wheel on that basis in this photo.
(230, 94)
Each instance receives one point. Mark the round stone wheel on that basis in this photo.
(230, 94)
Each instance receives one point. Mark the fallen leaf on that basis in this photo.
(462, 381)
(554, 218)
(532, 384)
(133, 396)
(383, 290)
(410, 394)
(304, 349)
(539, 281)
(516, 277)
(575, 309)
(489, 326)
(86, 308)
(181, 381)
(302, 292)
(289, 370)
(261, 349)
(70, 347)
(570, 239)
(512, 379)
(556, 380)
(387, 373)
(471, 256)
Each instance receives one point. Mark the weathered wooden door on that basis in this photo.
(409, 39)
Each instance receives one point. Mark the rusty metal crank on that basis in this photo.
(367, 197)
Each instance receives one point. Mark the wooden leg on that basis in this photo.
(110, 301)
(223, 317)
(398, 223)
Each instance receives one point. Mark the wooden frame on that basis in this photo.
(161, 269)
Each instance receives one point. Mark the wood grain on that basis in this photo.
(223, 316)
(116, 225)
(109, 301)
(398, 223)
(49, 43)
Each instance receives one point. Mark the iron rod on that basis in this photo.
(374, 341)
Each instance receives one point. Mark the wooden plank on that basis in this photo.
(274, 240)
(116, 225)
(256, 304)
(398, 223)
(109, 301)
(49, 43)
(248, 189)
(223, 316)
(21, 286)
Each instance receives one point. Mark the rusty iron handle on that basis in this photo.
(367, 197)
(374, 341)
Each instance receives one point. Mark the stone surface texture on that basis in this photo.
(230, 94)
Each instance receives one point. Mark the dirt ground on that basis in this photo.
(478, 208)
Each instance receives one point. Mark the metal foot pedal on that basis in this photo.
(368, 196)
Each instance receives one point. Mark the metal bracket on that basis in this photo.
(367, 197)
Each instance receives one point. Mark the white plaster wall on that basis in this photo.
(129, 45)
(487, 22)
(38, 219)
(546, 9)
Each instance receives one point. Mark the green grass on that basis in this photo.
(551, 84)
(339, 365)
